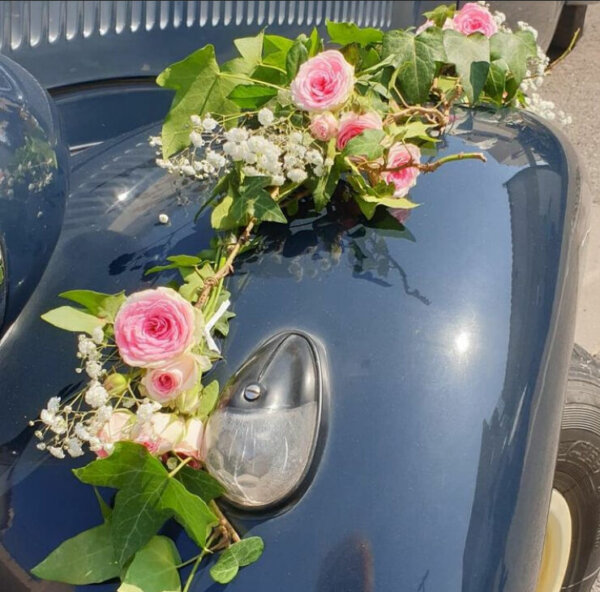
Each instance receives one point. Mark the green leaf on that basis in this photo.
(100, 305)
(296, 56)
(88, 298)
(367, 208)
(138, 515)
(515, 49)
(208, 399)
(440, 13)
(254, 202)
(154, 568)
(87, 558)
(105, 509)
(471, 57)
(200, 483)
(238, 555)
(147, 494)
(415, 58)
(221, 218)
(250, 49)
(496, 81)
(346, 33)
(72, 319)
(252, 96)
(327, 183)
(275, 50)
(416, 129)
(315, 43)
(367, 144)
(199, 89)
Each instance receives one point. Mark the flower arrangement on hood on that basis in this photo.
(288, 122)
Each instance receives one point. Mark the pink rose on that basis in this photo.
(162, 433)
(323, 83)
(116, 429)
(474, 18)
(405, 178)
(153, 327)
(324, 126)
(191, 443)
(352, 124)
(168, 382)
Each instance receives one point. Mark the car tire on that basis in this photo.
(571, 18)
(577, 475)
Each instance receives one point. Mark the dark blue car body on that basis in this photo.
(445, 345)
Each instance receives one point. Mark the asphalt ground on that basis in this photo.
(575, 87)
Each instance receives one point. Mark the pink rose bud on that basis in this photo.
(474, 18)
(323, 83)
(153, 327)
(191, 443)
(116, 429)
(115, 384)
(352, 124)
(167, 382)
(404, 178)
(162, 433)
(324, 126)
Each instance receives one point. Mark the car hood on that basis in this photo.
(445, 344)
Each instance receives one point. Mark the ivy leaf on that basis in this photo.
(515, 49)
(250, 49)
(327, 183)
(296, 56)
(88, 298)
(254, 202)
(275, 50)
(200, 483)
(440, 13)
(496, 81)
(154, 568)
(104, 306)
(105, 509)
(208, 399)
(72, 319)
(471, 57)
(221, 218)
(147, 495)
(87, 558)
(367, 144)
(252, 96)
(199, 89)
(414, 130)
(346, 33)
(137, 515)
(315, 44)
(415, 58)
(238, 555)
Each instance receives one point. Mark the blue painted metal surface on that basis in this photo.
(447, 346)
(34, 169)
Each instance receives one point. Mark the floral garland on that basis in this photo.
(287, 122)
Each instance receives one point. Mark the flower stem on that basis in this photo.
(432, 166)
(227, 267)
(224, 522)
(179, 466)
(198, 559)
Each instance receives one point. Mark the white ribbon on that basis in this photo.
(211, 323)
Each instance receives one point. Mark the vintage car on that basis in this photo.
(426, 378)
